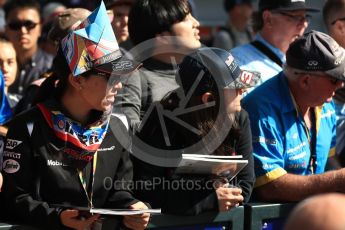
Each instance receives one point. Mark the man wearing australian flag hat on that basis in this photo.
(64, 153)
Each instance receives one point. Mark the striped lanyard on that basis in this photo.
(82, 179)
(312, 141)
(311, 134)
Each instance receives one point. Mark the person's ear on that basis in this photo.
(304, 81)
(76, 82)
(267, 18)
(207, 97)
(163, 38)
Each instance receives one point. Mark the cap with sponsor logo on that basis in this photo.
(285, 5)
(93, 46)
(317, 51)
(212, 68)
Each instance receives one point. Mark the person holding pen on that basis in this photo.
(203, 116)
(59, 154)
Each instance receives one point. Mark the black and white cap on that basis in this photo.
(317, 51)
(285, 5)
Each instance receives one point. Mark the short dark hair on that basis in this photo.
(11, 5)
(257, 22)
(112, 3)
(229, 4)
(148, 18)
(56, 83)
(332, 10)
(4, 39)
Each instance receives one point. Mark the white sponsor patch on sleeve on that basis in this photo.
(12, 144)
(10, 166)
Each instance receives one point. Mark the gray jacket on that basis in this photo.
(151, 83)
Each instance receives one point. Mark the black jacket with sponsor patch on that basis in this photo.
(39, 181)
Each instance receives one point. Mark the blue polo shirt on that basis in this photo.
(280, 138)
(250, 58)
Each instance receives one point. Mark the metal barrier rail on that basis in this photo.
(250, 217)
(233, 219)
(5, 226)
(256, 214)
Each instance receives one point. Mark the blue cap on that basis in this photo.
(211, 68)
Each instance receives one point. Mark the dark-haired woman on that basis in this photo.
(163, 32)
(203, 116)
(63, 153)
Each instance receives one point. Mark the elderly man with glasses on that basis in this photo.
(293, 122)
(334, 18)
(278, 23)
(23, 28)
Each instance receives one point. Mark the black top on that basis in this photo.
(37, 174)
(31, 71)
(182, 200)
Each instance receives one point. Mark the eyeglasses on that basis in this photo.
(295, 18)
(17, 25)
(111, 79)
(333, 80)
(114, 80)
(98, 73)
(338, 19)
